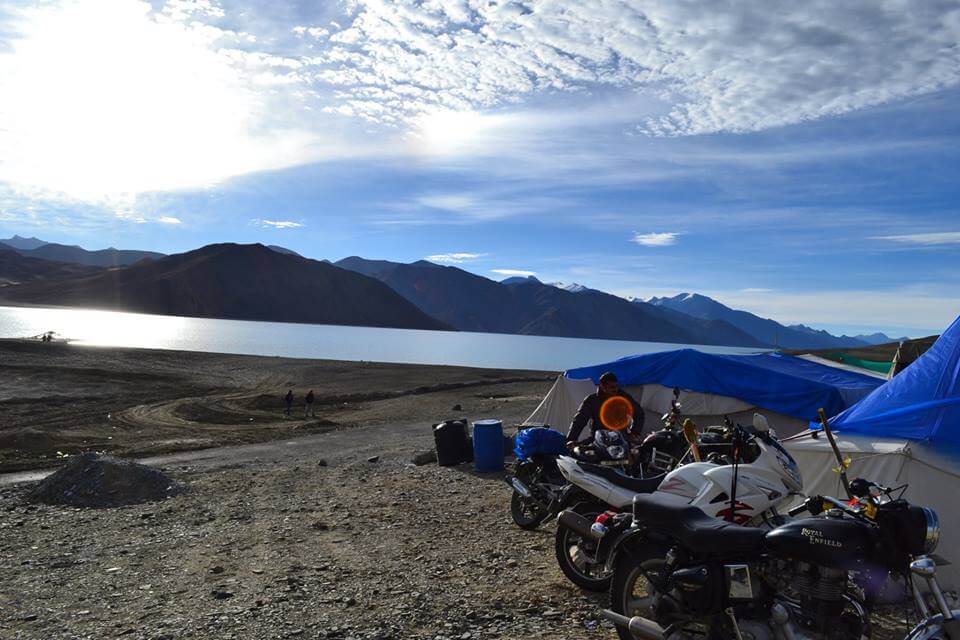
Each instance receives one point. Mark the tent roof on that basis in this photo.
(772, 381)
(920, 403)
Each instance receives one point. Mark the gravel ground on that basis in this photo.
(286, 546)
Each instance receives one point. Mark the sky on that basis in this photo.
(797, 160)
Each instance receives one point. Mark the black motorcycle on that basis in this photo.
(681, 574)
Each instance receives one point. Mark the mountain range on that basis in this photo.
(769, 331)
(244, 282)
(34, 248)
(256, 282)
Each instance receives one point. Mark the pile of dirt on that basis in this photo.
(94, 480)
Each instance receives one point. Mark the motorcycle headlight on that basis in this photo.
(616, 452)
(932, 534)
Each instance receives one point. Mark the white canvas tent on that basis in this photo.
(933, 480)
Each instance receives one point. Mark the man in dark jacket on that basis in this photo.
(590, 409)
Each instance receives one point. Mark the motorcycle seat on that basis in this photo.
(695, 530)
(637, 485)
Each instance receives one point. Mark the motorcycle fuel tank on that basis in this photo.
(837, 542)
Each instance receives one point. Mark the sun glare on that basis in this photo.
(103, 98)
(443, 132)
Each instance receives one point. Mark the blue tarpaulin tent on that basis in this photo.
(782, 383)
(920, 403)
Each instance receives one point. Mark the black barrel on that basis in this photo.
(453, 444)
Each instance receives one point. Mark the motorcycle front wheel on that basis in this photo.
(527, 513)
(631, 591)
(574, 553)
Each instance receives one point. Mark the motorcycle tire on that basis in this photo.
(527, 514)
(628, 576)
(585, 576)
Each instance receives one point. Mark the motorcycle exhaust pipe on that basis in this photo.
(578, 524)
(640, 628)
(519, 487)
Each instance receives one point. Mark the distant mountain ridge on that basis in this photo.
(243, 282)
(78, 255)
(473, 303)
(19, 242)
(764, 329)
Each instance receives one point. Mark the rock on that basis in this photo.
(373, 459)
(457, 407)
(321, 462)
(221, 594)
(421, 458)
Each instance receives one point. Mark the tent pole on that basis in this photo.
(836, 451)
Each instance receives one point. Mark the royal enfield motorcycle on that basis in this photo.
(682, 574)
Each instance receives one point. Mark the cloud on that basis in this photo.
(926, 239)
(655, 239)
(454, 258)
(277, 224)
(734, 67)
(168, 220)
(514, 272)
(755, 290)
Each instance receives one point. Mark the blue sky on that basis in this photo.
(800, 162)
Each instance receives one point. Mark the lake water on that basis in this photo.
(490, 350)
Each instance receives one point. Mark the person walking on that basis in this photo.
(308, 405)
(288, 400)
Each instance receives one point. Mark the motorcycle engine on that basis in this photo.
(817, 600)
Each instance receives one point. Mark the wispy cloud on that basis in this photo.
(454, 258)
(656, 239)
(755, 290)
(169, 220)
(385, 60)
(928, 239)
(277, 224)
(513, 272)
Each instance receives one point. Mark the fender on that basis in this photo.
(629, 537)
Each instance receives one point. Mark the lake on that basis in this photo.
(489, 350)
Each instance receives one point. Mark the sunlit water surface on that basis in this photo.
(492, 350)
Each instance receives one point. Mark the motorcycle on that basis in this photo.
(682, 574)
(536, 480)
(748, 476)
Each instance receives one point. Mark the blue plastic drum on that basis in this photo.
(488, 445)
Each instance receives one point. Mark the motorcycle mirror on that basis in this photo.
(676, 392)
(760, 423)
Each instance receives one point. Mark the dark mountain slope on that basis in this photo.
(18, 269)
(473, 303)
(245, 282)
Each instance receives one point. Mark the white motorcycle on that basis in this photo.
(742, 476)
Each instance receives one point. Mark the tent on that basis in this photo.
(906, 432)
(785, 388)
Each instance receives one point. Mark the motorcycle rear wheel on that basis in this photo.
(526, 512)
(589, 576)
(631, 593)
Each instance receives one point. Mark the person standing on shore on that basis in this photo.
(288, 400)
(308, 406)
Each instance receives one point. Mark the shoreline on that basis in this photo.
(59, 399)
